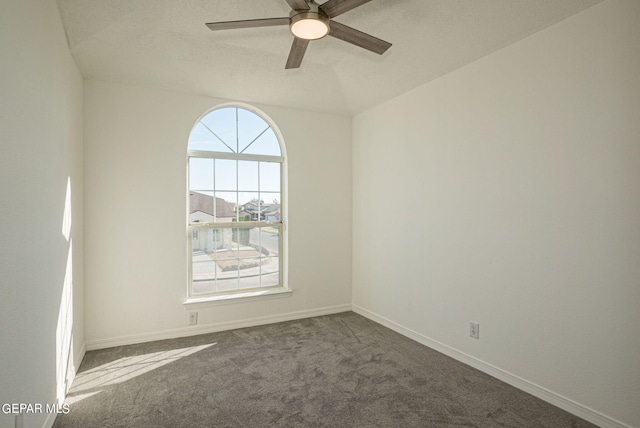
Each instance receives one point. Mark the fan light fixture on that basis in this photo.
(311, 24)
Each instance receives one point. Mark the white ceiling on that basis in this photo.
(165, 43)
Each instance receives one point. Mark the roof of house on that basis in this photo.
(204, 203)
(252, 207)
(271, 209)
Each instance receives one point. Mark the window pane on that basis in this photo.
(228, 283)
(219, 242)
(269, 241)
(202, 138)
(226, 249)
(200, 207)
(250, 126)
(249, 206)
(271, 207)
(267, 144)
(269, 176)
(251, 258)
(250, 281)
(254, 240)
(226, 260)
(270, 272)
(241, 238)
(226, 203)
(225, 172)
(223, 123)
(201, 174)
(206, 241)
(248, 176)
(203, 267)
(204, 287)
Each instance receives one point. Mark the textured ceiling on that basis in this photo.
(165, 43)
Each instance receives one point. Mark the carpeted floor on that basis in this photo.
(340, 370)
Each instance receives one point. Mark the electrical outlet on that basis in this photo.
(193, 318)
(474, 329)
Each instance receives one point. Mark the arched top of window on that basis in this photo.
(234, 130)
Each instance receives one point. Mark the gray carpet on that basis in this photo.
(340, 370)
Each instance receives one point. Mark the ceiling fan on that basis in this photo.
(310, 21)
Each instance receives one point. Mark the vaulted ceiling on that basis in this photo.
(165, 43)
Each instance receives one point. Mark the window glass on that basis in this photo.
(269, 177)
(222, 124)
(250, 127)
(248, 176)
(201, 174)
(265, 144)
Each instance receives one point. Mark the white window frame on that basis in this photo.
(194, 300)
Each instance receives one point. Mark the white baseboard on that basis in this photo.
(551, 397)
(212, 328)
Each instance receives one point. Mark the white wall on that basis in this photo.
(136, 263)
(41, 301)
(516, 182)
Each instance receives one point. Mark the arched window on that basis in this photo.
(236, 208)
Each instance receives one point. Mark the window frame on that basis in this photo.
(195, 300)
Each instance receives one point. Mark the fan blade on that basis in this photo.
(358, 38)
(298, 48)
(248, 23)
(298, 4)
(334, 8)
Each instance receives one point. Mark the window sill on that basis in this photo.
(239, 297)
